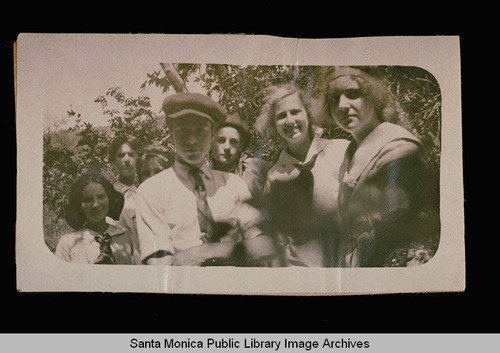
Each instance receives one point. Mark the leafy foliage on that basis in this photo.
(83, 148)
(420, 97)
(68, 153)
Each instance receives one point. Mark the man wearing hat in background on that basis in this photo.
(227, 152)
(191, 214)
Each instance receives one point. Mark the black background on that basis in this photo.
(465, 312)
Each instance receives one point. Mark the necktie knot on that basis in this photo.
(103, 239)
(195, 173)
(208, 226)
(307, 166)
(106, 256)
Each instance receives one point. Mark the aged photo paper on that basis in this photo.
(76, 92)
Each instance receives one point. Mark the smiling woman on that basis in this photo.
(95, 206)
(273, 122)
(292, 124)
(315, 204)
(93, 203)
(300, 193)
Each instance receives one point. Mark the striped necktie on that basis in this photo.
(208, 227)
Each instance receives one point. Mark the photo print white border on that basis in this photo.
(40, 56)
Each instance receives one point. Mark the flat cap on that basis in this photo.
(184, 103)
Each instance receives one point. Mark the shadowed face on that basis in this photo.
(95, 204)
(350, 109)
(226, 147)
(150, 167)
(192, 137)
(291, 119)
(125, 160)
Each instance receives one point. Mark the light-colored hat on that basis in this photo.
(182, 104)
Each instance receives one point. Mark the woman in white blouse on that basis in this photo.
(302, 187)
(96, 239)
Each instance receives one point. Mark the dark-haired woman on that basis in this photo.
(93, 206)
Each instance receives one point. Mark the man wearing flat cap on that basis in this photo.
(228, 155)
(191, 214)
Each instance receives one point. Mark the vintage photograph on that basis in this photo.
(296, 166)
(224, 166)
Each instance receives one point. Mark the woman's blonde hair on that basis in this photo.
(264, 124)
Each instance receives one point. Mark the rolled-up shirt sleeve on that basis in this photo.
(154, 234)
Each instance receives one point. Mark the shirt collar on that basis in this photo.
(373, 143)
(241, 164)
(122, 188)
(318, 144)
(182, 169)
(112, 230)
(115, 229)
(240, 168)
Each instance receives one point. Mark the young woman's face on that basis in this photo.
(95, 203)
(192, 136)
(351, 111)
(226, 147)
(125, 160)
(291, 119)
